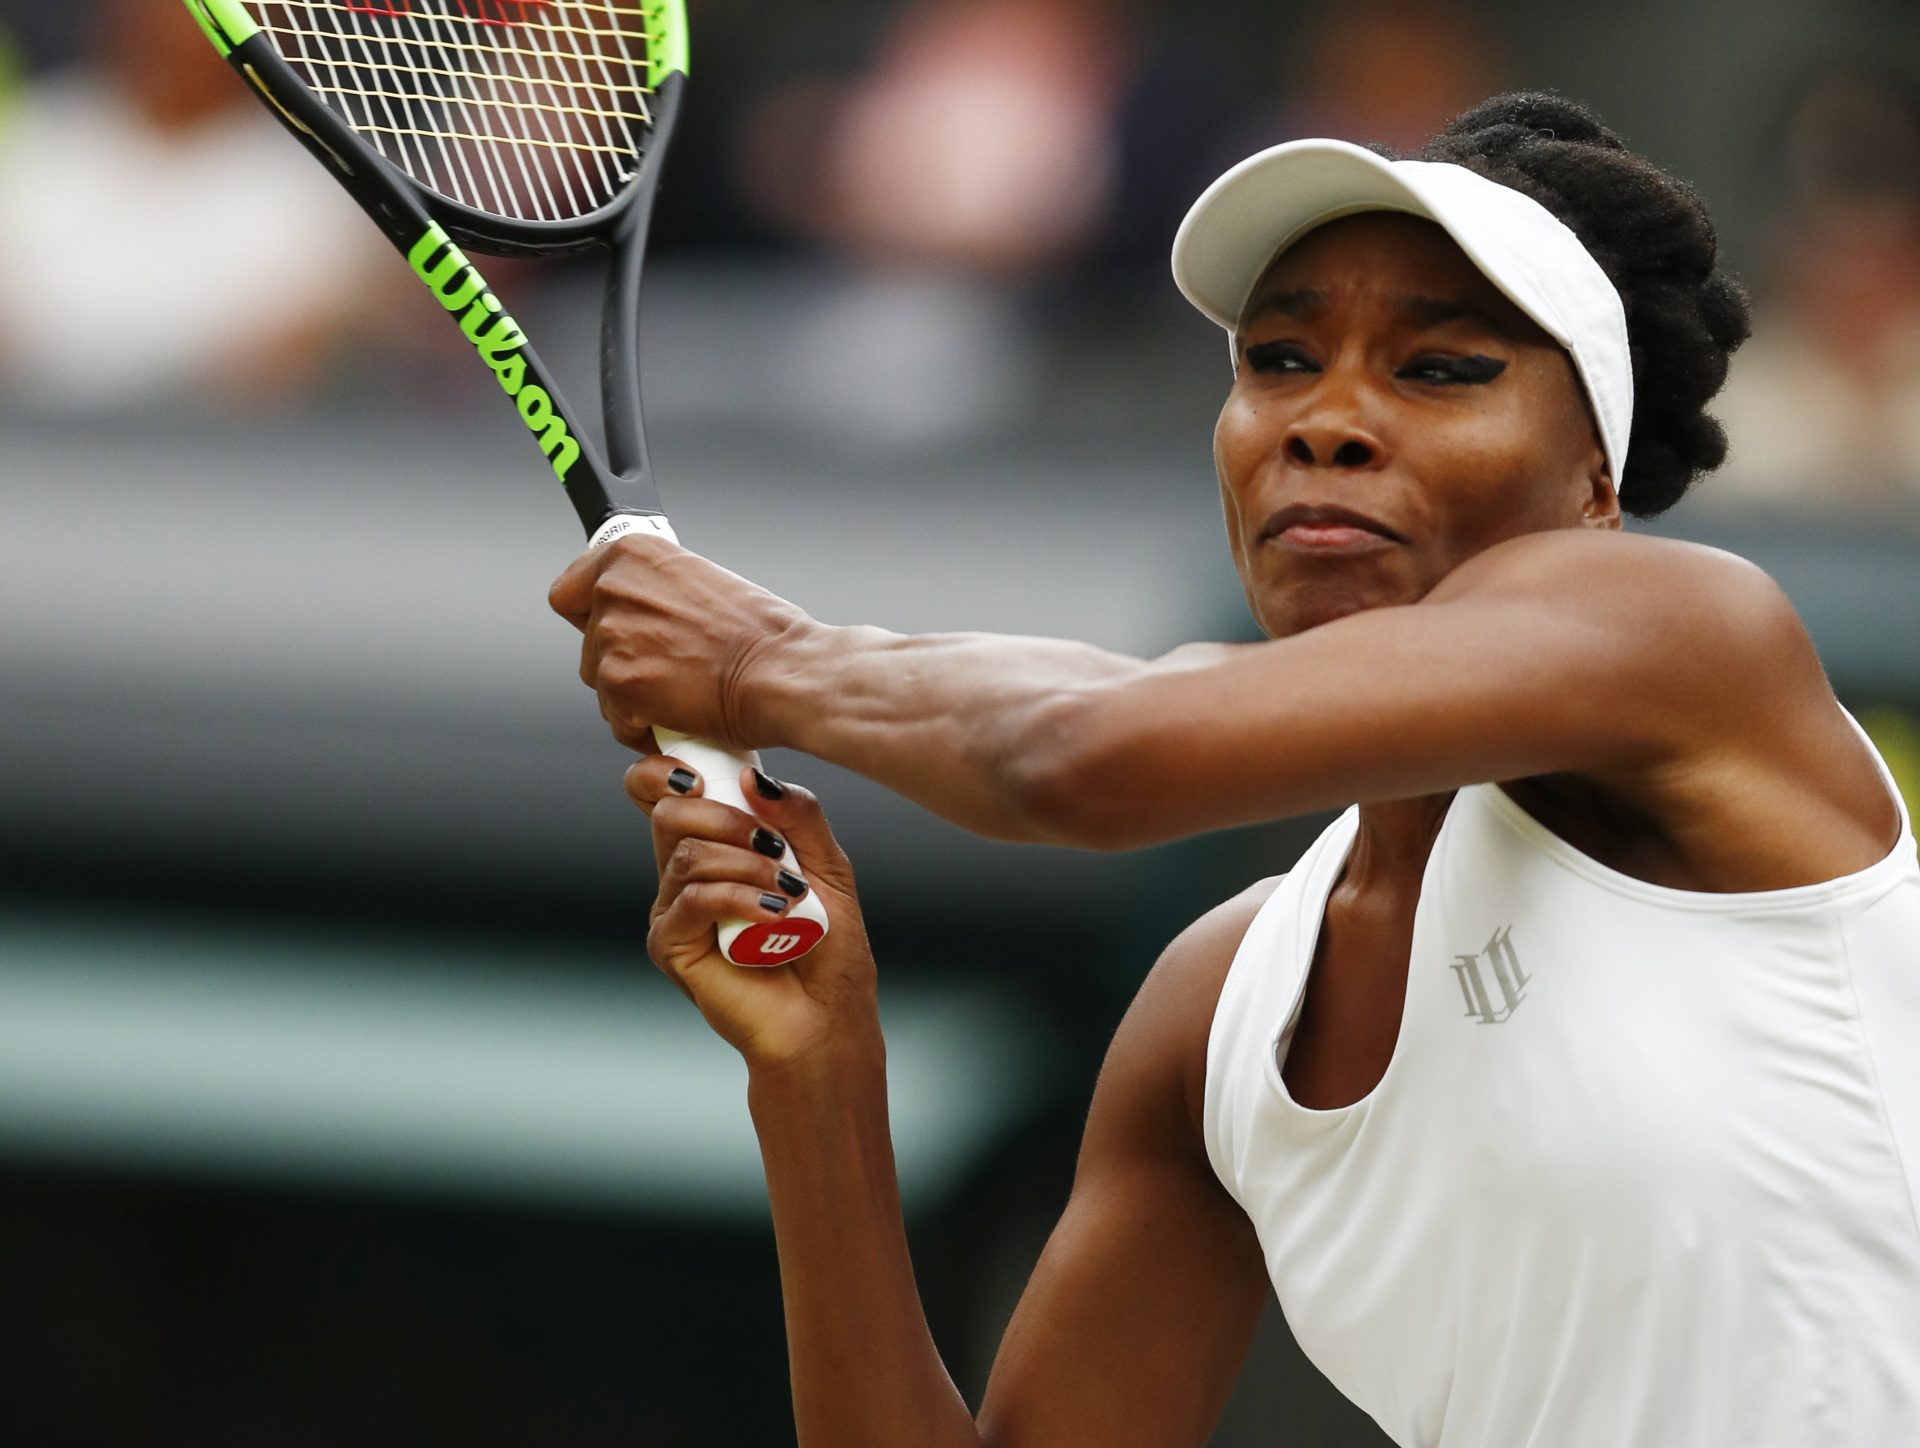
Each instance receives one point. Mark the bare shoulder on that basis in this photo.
(1632, 576)
(1695, 634)
(1157, 1063)
(1753, 778)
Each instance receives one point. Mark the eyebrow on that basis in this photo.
(1302, 302)
(1306, 303)
(1437, 311)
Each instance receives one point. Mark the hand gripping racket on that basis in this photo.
(515, 128)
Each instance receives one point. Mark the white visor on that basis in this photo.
(1264, 205)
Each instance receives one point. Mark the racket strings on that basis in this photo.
(534, 110)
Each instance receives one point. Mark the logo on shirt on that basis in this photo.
(1498, 961)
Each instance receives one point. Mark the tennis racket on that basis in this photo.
(514, 128)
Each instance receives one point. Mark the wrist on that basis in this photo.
(838, 1069)
(773, 684)
(790, 685)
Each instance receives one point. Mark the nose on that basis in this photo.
(1349, 452)
(1332, 433)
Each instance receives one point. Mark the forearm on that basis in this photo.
(865, 1371)
(979, 728)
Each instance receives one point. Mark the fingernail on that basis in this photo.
(767, 786)
(772, 904)
(770, 844)
(682, 781)
(792, 884)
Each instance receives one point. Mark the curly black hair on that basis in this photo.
(1652, 236)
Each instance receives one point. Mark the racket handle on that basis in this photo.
(772, 942)
(761, 943)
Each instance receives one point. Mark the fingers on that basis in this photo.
(704, 884)
(719, 865)
(716, 864)
(597, 594)
(637, 737)
(795, 814)
(650, 780)
(699, 908)
(752, 876)
(572, 593)
(671, 793)
(682, 935)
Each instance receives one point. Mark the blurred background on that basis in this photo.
(338, 1103)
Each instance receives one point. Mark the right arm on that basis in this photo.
(1136, 1321)
(1138, 1317)
(1677, 679)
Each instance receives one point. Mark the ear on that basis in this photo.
(1600, 508)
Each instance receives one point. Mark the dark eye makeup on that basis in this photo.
(1279, 357)
(1436, 370)
(1453, 371)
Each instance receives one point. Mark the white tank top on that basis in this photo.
(1641, 1172)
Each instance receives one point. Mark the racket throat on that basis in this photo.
(620, 360)
(502, 344)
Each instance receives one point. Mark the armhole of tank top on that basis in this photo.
(1886, 774)
(1242, 974)
(1898, 860)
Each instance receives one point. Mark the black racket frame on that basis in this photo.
(603, 484)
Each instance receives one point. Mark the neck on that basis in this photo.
(1395, 838)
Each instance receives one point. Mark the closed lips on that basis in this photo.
(1324, 515)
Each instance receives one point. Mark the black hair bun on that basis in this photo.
(1652, 236)
(1537, 114)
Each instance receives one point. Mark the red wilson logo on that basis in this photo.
(777, 943)
(477, 12)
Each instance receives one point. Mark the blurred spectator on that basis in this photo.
(161, 237)
(977, 152)
(1393, 71)
(1823, 407)
(982, 137)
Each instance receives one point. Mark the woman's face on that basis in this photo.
(1392, 415)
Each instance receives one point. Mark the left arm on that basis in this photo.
(1600, 654)
(1615, 658)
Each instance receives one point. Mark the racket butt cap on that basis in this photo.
(776, 942)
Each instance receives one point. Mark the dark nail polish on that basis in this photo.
(768, 787)
(770, 844)
(682, 781)
(772, 904)
(792, 884)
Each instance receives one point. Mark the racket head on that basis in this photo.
(524, 127)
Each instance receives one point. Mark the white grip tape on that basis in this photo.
(621, 524)
(805, 925)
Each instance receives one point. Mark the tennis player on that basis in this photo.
(1568, 1089)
